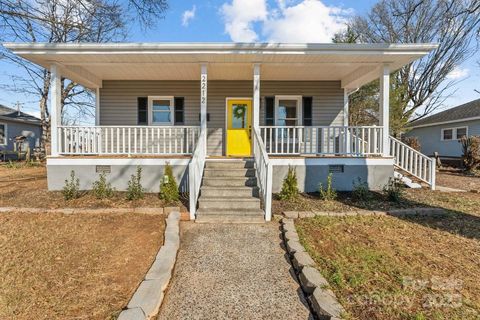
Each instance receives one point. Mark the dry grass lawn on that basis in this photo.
(83, 266)
(27, 187)
(455, 178)
(399, 268)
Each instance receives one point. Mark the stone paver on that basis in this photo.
(232, 271)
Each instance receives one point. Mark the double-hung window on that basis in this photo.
(288, 110)
(160, 111)
(449, 134)
(3, 134)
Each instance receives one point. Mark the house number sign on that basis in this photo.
(204, 89)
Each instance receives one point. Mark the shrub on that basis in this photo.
(290, 186)
(360, 190)
(168, 186)
(393, 190)
(412, 142)
(71, 190)
(135, 190)
(101, 189)
(471, 152)
(328, 193)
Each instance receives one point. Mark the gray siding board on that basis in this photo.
(430, 138)
(118, 101)
(32, 132)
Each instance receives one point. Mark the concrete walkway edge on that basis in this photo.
(148, 297)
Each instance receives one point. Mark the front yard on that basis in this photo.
(82, 266)
(384, 267)
(27, 187)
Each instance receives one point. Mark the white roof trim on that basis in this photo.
(444, 122)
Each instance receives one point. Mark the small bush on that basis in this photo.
(71, 190)
(290, 185)
(412, 142)
(360, 191)
(471, 152)
(135, 190)
(168, 186)
(393, 190)
(328, 193)
(101, 189)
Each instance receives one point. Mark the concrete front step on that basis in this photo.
(232, 192)
(230, 164)
(230, 181)
(230, 212)
(228, 203)
(229, 172)
(219, 216)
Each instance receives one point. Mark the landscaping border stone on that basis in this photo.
(420, 211)
(148, 297)
(322, 300)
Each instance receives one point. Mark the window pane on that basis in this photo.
(447, 134)
(239, 116)
(287, 109)
(161, 105)
(461, 132)
(2, 134)
(161, 117)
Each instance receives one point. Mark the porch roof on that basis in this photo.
(89, 64)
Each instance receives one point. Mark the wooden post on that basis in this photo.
(256, 96)
(384, 108)
(203, 96)
(55, 108)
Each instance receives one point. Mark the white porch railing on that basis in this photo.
(115, 140)
(413, 162)
(264, 173)
(322, 140)
(195, 172)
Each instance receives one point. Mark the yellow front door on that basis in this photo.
(239, 125)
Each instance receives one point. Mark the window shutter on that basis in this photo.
(142, 110)
(269, 111)
(307, 111)
(179, 107)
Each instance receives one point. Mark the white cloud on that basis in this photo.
(188, 15)
(239, 17)
(289, 21)
(307, 21)
(458, 73)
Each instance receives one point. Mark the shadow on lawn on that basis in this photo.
(454, 221)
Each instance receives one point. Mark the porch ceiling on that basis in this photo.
(89, 64)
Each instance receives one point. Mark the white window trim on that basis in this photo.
(150, 110)
(299, 108)
(454, 133)
(5, 133)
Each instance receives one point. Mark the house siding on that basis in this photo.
(118, 101)
(14, 129)
(431, 140)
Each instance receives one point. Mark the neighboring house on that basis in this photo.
(442, 131)
(14, 124)
(200, 106)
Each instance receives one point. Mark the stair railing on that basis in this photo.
(413, 162)
(195, 171)
(263, 169)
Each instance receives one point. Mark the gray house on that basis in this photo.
(16, 124)
(441, 132)
(230, 118)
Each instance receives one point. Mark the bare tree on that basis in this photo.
(421, 86)
(62, 21)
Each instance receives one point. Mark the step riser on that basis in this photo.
(253, 192)
(228, 219)
(229, 165)
(250, 182)
(229, 173)
(231, 204)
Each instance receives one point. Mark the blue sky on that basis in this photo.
(256, 20)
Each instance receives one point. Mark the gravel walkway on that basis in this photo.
(232, 271)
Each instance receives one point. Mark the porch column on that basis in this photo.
(203, 97)
(345, 121)
(256, 96)
(55, 108)
(384, 108)
(97, 106)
